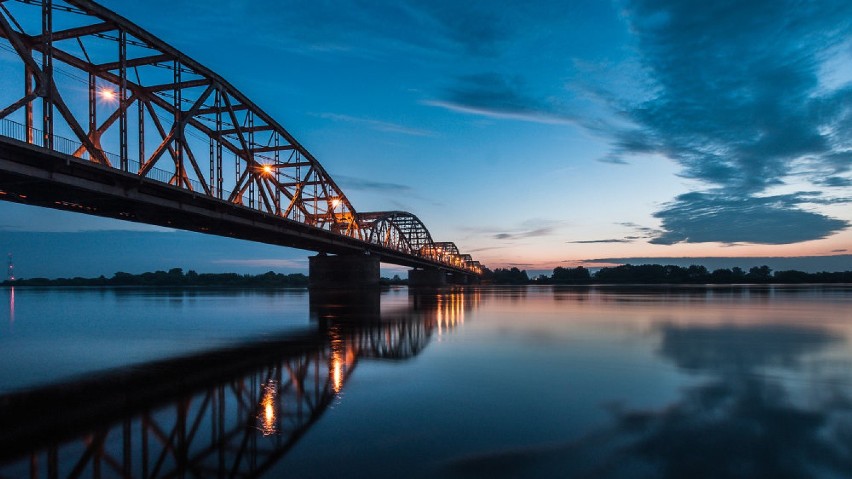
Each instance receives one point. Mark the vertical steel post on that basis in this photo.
(177, 125)
(250, 165)
(211, 163)
(122, 97)
(219, 141)
(93, 112)
(28, 90)
(47, 68)
(277, 174)
(141, 108)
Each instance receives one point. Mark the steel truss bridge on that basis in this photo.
(229, 413)
(110, 120)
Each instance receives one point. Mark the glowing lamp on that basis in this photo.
(107, 94)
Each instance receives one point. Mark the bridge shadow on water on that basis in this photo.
(231, 412)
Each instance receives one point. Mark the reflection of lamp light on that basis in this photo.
(336, 372)
(268, 415)
(337, 362)
(12, 305)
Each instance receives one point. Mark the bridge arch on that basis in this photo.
(398, 230)
(157, 117)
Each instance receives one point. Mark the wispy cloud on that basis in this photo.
(377, 125)
(612, 240)
(363, 184)
(545, 231)
(498, 96)
(531, 228)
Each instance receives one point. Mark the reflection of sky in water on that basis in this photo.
(599, 383)
(61, 332)
(507, 382)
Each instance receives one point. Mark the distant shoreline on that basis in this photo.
(625, 275)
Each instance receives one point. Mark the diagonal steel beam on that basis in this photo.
(76, 32)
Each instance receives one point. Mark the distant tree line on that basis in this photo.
(663, 274)
(175, 277)
(624, 274)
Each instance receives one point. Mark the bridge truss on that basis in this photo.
(94, 83)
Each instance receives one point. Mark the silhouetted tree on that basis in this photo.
(578, 275)
(510, 276)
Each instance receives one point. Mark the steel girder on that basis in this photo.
(101, 84)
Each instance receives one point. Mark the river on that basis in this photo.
(538, 381)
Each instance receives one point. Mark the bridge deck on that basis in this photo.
(34, 176)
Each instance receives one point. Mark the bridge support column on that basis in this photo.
(426, 278)
(343, 271)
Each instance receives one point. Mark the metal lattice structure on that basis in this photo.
(395, 229)
(95, 83)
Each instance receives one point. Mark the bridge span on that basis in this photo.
(109, 120)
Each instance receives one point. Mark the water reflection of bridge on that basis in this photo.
(227, 413)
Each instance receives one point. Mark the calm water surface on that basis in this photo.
(476, 382)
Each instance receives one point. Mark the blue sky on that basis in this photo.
(535, 134)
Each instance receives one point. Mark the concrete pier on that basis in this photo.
(343, 271)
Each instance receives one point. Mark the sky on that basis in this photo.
(532, 134)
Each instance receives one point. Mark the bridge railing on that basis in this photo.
(36, 137)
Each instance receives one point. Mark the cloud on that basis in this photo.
(362, 184)
(702, 217)
(613, 240)
(613, 160)
(498, 96)
(378, 125)
(737, 101)
(530, 228)
(545, 231)
(839, 250)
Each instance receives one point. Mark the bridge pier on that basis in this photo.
(343, 271)
(427, 278)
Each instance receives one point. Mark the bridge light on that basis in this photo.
(266, 169)
(335, 203)
(107, 94)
